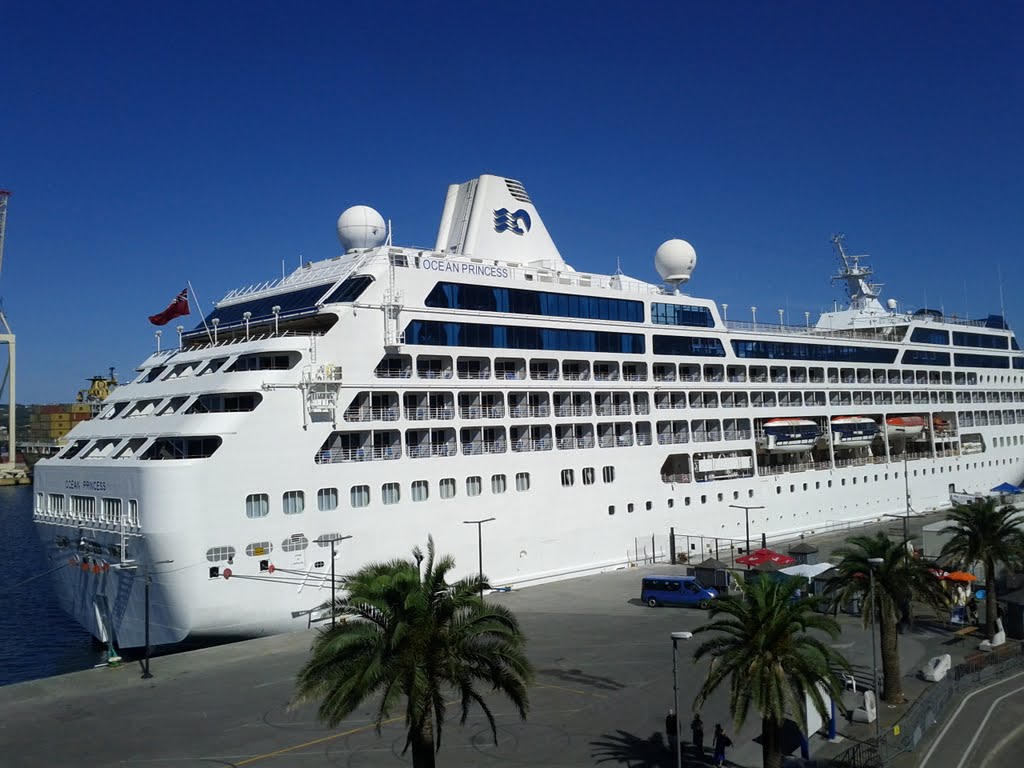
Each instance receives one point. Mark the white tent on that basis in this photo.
(807, 571)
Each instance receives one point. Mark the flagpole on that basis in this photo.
(201, 313)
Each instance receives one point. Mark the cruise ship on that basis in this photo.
(341, 414)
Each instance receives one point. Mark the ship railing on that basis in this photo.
(673, 439)
(565, 411)
(474, 375)
(479, 447)
(393, 373)
(529, 411)
(613, 410)
(643, 439)
(191, 338)
(577, 376)
(481, 412)
(538, 374)
(706, 436)
(642, 410)
(634, 377)
(430, 374)
(523, 446)
(606, 377)
(371, 414)
(425, 414)
(345, 455)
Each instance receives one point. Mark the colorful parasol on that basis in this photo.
(961, 576)
(765, 556)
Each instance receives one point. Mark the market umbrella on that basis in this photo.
(961, 576)
(763, 556)
(1006, 488)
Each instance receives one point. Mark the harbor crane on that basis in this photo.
(9, 469)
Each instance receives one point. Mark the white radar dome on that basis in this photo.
(675, 261)
(361, 227)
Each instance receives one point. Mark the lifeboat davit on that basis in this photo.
(853, 431)
(904, 426)
(790, 435)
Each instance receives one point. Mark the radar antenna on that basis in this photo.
(862, 293)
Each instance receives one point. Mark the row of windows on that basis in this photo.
(925, 357)
(688, 346)
(301, 301)
(84, 509)
(681, 314)
(327, 499)
(929, 336)
(485, 298)
(788, 350)
(441, 334)
(985, 340)
(965, 360)
(281, 361)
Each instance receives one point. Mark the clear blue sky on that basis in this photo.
(152, 143)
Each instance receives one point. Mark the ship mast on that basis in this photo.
(863, 294)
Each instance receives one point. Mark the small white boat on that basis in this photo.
(853, 431)
(790, 435)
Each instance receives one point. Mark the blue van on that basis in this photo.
(676, 590)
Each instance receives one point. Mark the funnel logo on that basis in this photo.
(517, 221)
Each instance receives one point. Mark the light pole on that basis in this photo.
(725, 313)
(146, 675)
(246, 316)
(480, 546)
(676, 637)
(180, 329)
(215, 322)
(746, 511)
(158, 334)
(276, 309)
(753, 316)
(874, 562)
(333, 582)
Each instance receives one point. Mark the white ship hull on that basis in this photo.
(595, 470)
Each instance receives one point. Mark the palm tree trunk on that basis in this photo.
(990, 599)
(771, 754)
(423, 744)
(892, 685)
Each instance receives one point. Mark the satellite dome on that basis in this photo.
(361, 227)
(675, 261)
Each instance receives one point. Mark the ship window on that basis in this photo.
(498, 484)
(265, 362)
(213, 366)
(608, 474)
(296, 302)
(172, 406)
(649, 505)
(293, 502)
(231, 402)
(257, 505)
(473, 486)
(420, 490)
(55, 503)
(74, 449)
(447, 487)
(259, 549)
(111, 510)
(390, 493)
(324, 541)
(750, 493)
(350, 290)
(980, 361)
(83, 508)
(925, 357)
(220, 554)
(129, 449)
(294, 543)
(133, 512)
(588, 475)
(611, 509)
(327, 499)
(784, 350)
(688, 346)
(929, 336)
(671, 503)
(154, 373)
(681, 314)
(567, 477)
(629, 507)
(436, 333)
(171, 448)
(988, 341)
(703, 499)
(686, 501)
(484, 298)
(359, 496)
(522, 481)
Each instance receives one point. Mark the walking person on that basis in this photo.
(697, 728)
(721, 742)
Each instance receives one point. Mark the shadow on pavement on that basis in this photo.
(637, 752)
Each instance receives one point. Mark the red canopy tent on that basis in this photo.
(765, 556)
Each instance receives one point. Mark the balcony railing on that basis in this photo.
(344, 455)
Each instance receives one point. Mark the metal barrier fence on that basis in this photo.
(929, 708)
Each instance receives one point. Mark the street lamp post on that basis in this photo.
(746, 511)
(215, 322)
(246, 316)
(276, 309)
(333, 582)
(146, 675)
(874, 562)
(480, 546)
(676, 637)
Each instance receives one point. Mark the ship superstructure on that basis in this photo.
(390, 393)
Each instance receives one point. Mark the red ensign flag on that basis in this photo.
(176, 308)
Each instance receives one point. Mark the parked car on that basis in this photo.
(676, 590)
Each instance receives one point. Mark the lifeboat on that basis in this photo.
(904, 426)
(853, 431)
(790, 435)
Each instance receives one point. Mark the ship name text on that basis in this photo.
(464, 267)
(85, 485)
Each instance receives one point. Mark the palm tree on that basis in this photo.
(899, 580)
(417, 637)
(763, 647)
(982, 532)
